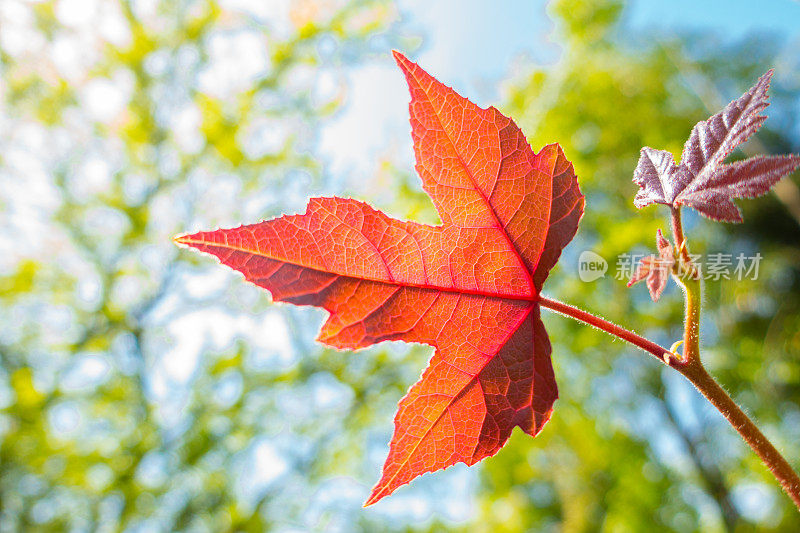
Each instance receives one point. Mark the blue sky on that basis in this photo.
(732, 18)
(472, 45)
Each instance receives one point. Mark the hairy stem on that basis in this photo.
(770, 456)
(692, 291)
(659, 352)
(693, 370)
(677, 232)
(684, 257)
(690, 279)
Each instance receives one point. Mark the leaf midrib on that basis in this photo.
(453, 399)
(423, 286)
(489, 206)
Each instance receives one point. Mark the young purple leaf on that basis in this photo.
(655, 174)
(750, 178)
(655, 270)
(712, 140)
(702, 181)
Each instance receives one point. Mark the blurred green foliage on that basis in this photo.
(119, 131)
(123, 407)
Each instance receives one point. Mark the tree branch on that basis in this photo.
(710, 474)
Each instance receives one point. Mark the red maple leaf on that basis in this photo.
(469, 287)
